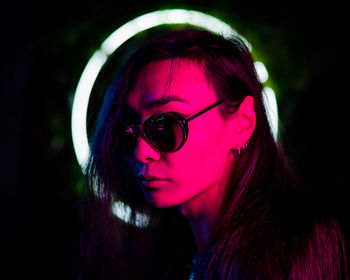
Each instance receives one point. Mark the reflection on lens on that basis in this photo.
(164, 132)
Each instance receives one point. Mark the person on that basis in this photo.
(183, 137)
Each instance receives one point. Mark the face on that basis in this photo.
(196, 173)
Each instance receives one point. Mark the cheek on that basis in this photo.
(203, 158)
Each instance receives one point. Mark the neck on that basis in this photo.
(202, 210)
(201, 228)
(201, 213)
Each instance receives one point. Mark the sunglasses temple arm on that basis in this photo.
(205, 110)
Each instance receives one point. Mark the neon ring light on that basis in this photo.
(125, 32)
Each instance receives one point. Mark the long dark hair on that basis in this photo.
(269, 226)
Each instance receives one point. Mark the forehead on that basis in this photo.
(175, 81)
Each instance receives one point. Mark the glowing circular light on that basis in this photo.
(261, 71)
(122, 34)
(270, 103)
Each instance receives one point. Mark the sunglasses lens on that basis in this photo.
(164, 132)
(126, 138)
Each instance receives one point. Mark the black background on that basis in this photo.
(44, 48)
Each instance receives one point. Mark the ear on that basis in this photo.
(242, 123)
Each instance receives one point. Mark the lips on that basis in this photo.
(151, 180)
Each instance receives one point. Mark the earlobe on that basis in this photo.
(242, 125)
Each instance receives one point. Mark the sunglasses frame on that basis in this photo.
(136, 129)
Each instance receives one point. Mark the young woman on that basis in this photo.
(183, 138)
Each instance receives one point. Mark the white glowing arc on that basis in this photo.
(117, 38)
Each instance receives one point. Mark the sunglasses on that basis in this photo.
(166, 132)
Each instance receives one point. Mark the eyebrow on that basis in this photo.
(164, 100)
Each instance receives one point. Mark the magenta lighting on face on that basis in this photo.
(198, 170)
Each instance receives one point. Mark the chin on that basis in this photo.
(161, 202)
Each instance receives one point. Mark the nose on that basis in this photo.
(144, 152)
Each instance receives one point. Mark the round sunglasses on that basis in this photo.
(166, 132)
